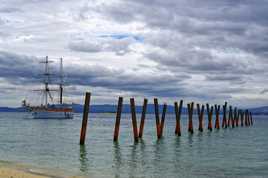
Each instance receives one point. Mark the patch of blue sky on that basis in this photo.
(122, 36)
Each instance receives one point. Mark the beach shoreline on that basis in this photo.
(13, 170)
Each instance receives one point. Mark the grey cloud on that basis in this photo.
(218, 23)
(102, 44)
(264, 91)
(3, 21)
(99, 76)
(9, 9)
(19, 69)
(83, 46)
(13, 65)
(202, 62)
(224, 78)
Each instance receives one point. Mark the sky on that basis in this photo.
(202, 51)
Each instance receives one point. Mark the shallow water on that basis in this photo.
(238, 152)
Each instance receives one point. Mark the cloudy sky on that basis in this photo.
(203, 51)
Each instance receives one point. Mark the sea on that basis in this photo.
(54, 145)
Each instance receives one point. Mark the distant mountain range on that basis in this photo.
(105, 108)
(126, 108)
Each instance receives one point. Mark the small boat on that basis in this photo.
(51, 110)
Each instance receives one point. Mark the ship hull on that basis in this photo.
(52, 115)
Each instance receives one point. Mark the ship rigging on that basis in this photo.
(48, 109)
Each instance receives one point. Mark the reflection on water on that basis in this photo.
(134, 160)
(190, 139)
(84, 163)
(117, 159)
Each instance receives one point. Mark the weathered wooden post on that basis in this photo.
(230, 118)
(118, 118)
(224, 122)
(190, 113)
(144, 108)
(134, 119)
(85, 118)
(210, 114)
(237, 118)
(246, 118)
(156, 111)
(251, 119)
(242, 118)
(178, 117)
(217, 112)
(163, 120)
(200, 113)
(249, 122)
(159, 124)
(234, 117)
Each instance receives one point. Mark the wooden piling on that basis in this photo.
(200, 113)
(156, 111)
(144, 108)
(237, 118)
(242, 118)
(224, 122)
(118, 118)
(246, 118)
(178, 117)
(134, 119)
(162, 123)
(249, 123)
(217, 113)
(210, 114)
(85, 118)
(230, 118)
(251, 119)
(234, 117)
(190, 113)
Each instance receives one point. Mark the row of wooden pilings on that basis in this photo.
(236, 117)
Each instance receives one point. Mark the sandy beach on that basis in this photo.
(25, 172)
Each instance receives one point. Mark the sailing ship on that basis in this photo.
(48, 109)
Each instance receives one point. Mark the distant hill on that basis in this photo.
(126, 108)
(106, 108)
(150, 109)
(260, 110)
(8, 109)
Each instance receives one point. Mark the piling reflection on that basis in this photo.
(133, 160)
(177, 142)
(84, 162)
(158, 157)
(190, 140)
(117, 159)
(142, 146)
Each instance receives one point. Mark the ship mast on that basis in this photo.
(46, 81)
(61, 80)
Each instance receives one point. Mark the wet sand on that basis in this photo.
(16, 171)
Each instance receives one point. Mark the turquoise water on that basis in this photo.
(238, 152)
